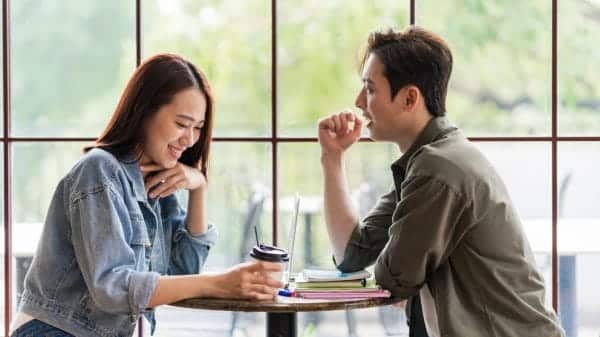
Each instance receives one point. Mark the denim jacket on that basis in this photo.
(104, 246)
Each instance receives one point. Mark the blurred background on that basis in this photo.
(70, 60)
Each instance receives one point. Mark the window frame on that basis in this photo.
(274, 140)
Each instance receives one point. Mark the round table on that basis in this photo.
(282, 312)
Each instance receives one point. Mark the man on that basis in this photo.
(448, 230)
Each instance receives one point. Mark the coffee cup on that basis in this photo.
(268, 253)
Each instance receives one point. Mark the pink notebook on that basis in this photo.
(343, 294)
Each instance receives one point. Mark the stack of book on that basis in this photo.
(333, 284)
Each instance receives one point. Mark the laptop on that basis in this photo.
(292, 238)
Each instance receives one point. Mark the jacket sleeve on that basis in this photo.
(370, 236)
(98, 217)
(426, 229)
(188, 252)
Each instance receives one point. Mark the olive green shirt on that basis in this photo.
(450, 224)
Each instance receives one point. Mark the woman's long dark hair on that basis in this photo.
(153, 84)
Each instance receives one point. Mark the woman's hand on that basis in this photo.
(163, 182)
(250, 280)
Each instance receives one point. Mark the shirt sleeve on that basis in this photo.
(370, 236)
(107, 262)
(428, 226)
(188, 252)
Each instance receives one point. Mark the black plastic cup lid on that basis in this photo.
(269, 253)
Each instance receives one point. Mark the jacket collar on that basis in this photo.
(134, 175)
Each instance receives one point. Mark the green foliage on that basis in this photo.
(66, 63)
(319, 56)
(230, 42)
(502, 53)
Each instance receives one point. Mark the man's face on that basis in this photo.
(381, 113)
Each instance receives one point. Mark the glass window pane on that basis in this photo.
(70, 62)
(230, 41)
(369, 176)
(578, 233)
(300, 171)
(501, 81)
(578, 64)
(530, 189)
(37, 170)
(238, 195)
(236, 183)
(318, 56)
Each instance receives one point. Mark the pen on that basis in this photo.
(286, 293)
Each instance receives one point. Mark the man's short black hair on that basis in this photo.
(417, 57)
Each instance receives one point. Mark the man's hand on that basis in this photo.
(338, 132)
(165, 182)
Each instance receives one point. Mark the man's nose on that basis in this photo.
(359, 102)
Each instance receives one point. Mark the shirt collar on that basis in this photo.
(134, 174)
(435, 129)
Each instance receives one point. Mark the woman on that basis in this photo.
(114, 229)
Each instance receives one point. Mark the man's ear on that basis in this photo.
(411, 98)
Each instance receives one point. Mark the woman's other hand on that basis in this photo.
(163, 182)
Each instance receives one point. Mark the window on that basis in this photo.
(523, 88)
(501, 81)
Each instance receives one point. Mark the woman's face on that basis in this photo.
(175, 127)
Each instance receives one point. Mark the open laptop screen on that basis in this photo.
(292, 236)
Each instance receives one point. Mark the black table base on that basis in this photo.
(281, 324)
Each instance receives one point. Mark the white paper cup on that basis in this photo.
(273, 254)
